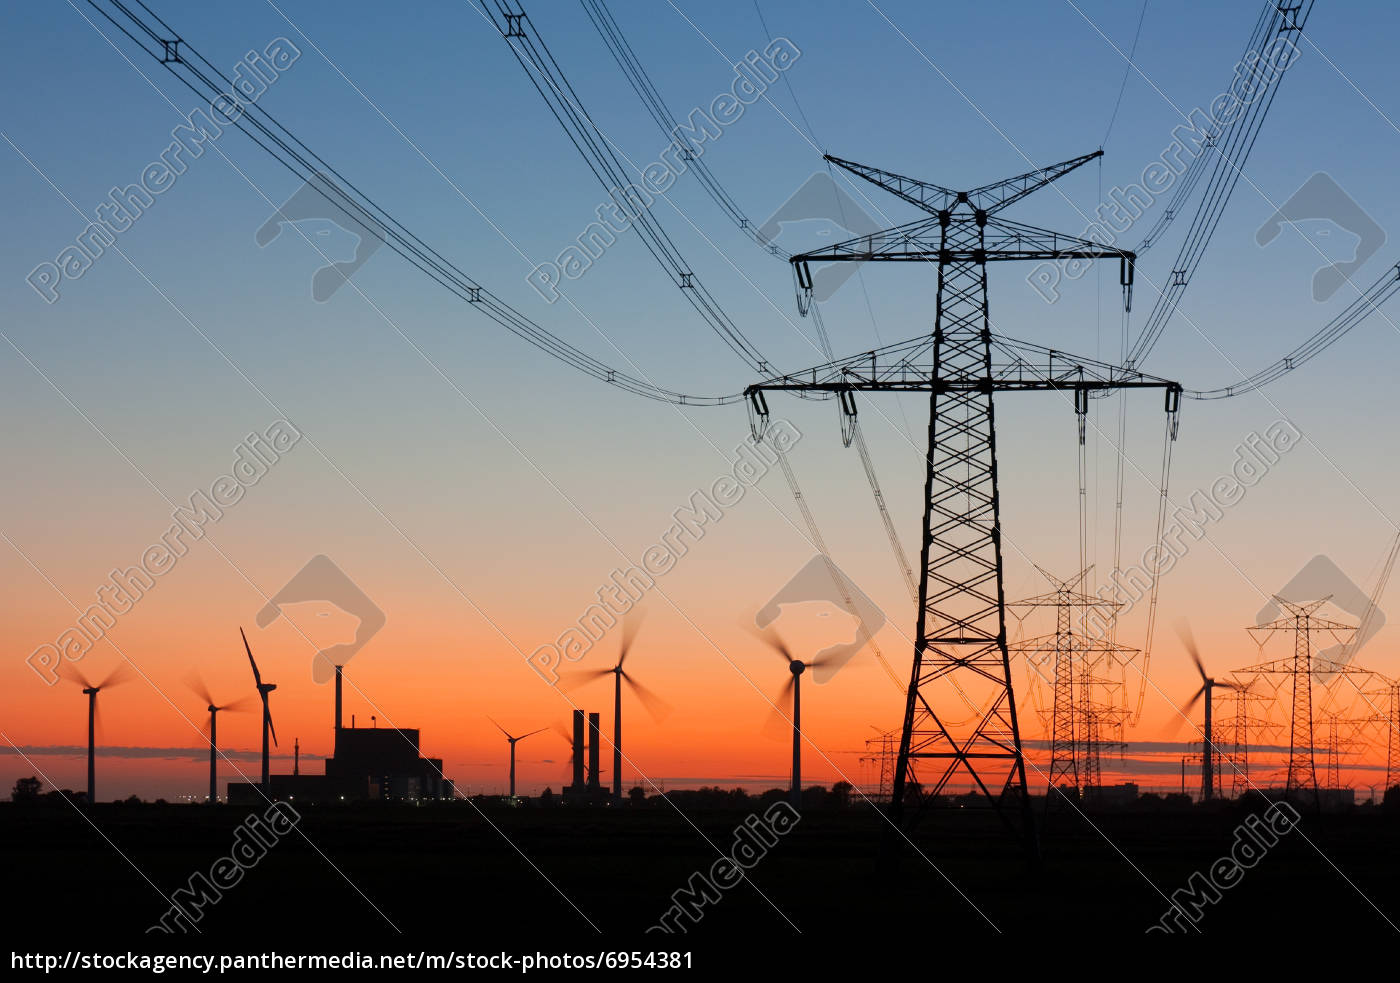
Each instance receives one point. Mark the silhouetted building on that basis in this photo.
(370, 763)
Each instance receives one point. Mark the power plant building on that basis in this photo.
(370, 763)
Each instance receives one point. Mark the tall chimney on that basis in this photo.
(593, 731)
(338, 672)
(578, 749)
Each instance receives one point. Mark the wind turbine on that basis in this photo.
(792, 693)
(212, 728)
(1207, 685)
(263, 690)
(654, 704)
(512, 749)
(117, 676)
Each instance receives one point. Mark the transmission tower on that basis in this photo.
(960, 636)
(1384, 714)
(1335, 743)
(880, 752)
(1103, 722)
(1074, 724)
(1245, 723)
(1392, 755)
(1302, 621)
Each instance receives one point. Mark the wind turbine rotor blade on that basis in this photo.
(568, 739)
(1187, 639)
(271, 728)
(1185, 710)
(574, 678)
(499, 727)
(74, 675)
(655, 705)
(771, 638)
(778, 725)
(195, 683)
(123, 673)
(240, 705)
(532, 733)
(257, 676)
(631, 624)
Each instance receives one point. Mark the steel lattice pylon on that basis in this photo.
(961, 622)
(1302, 621)
(1392, 756)
(1076, 723)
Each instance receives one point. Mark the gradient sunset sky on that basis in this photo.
(481, 493)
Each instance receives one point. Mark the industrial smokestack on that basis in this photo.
(338, 673)
(578, 749)
(593, 731)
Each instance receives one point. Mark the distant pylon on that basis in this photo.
(1075, 723)
(1302, 621)
(882, 752)
(1392, 758)
(1093, 769)
(1239, 741)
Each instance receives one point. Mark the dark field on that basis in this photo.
(446, 879)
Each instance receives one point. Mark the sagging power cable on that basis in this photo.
(158, 40)
(604, 161)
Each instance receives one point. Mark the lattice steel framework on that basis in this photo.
(1245, 725)
(1302, 621)
(1392, 756)
(1076, 722)
(961, 631)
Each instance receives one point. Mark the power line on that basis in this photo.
(1357, 311)
(1239, 137)
(646, 90)
(157, 39)
(603, 161)
(787, 82)
(1127, 71)
(625, 56)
